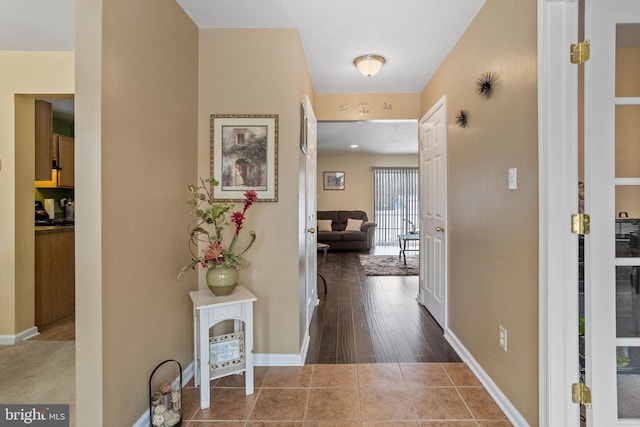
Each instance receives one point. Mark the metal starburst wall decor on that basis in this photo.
(462, 118)
(485, 85)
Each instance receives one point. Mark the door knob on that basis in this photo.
(440, 228)
(311, 230)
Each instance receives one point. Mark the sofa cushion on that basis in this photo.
(329, 236)
(331, 215)
(324, 225)
(343, 216)
(353, 224)
(353, 236)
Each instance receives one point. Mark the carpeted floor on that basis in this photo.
(389, 265)
(39, 372)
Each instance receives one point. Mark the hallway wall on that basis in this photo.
(262, 71)
(136, 150)
(493, 231)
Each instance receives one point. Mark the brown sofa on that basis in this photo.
(339, 239)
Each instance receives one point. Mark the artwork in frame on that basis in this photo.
(333, 180)
(226, 350)
(244, 156)
(303, 130)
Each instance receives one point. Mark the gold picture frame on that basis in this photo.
(244, 156)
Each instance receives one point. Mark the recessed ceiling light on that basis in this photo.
(354, 146)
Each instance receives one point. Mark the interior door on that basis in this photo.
(433, 211)
(612, 198)
(311, 267)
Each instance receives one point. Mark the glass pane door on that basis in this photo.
(627, 219)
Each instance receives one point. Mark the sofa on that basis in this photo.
(345, 230)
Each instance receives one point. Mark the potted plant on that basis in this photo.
(210, 219)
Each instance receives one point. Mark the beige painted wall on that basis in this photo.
(493, 232)
(367, 106)
(145, 107)
(22, 73)
(247, 71)
(358, 192)
(25, 238)
(88, 219)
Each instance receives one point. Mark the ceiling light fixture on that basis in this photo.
(369, 65)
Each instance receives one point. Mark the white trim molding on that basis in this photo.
(293, 359)
(22, 336)
(501, 400)
(558, 189)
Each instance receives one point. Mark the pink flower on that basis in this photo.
(237, 218)
(213, 252)
(250, 197)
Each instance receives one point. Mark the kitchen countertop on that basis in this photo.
(47, 229)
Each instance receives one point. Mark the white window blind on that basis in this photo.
(395, 202)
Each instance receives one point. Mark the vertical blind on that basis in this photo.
(395, 202)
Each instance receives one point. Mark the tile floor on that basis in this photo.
(388, 394)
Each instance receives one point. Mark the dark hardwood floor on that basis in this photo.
(372, 319)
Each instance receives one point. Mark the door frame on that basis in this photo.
(557, 183)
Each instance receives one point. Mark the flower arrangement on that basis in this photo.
(207, 215)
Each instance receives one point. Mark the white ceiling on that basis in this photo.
(379, 137)
(37, 25)
(413, 35)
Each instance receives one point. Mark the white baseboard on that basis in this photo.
(294, 359)
(507, 407)
(22, 336)
(187, 374)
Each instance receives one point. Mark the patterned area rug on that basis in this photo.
(389, 265)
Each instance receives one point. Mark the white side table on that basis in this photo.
(208, 310)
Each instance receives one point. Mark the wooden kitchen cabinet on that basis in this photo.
(63, 148)
(54, 274)
(63, 157)
(43, 139)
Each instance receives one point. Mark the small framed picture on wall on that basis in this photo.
(333, 180)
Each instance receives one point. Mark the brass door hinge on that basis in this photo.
(580, 224)
(581, 394)
(580, 52)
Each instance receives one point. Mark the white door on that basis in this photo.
(612, 186)
(433, 211)
(311, 267)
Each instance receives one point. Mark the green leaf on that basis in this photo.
(621, 360)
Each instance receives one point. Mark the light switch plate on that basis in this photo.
(513, 179)
(502, 338)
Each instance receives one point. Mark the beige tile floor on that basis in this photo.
(390, 394)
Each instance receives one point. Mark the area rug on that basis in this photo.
(389, 265)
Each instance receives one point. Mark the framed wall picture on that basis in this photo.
(244, 156)
(303, 130)
(333, 180)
